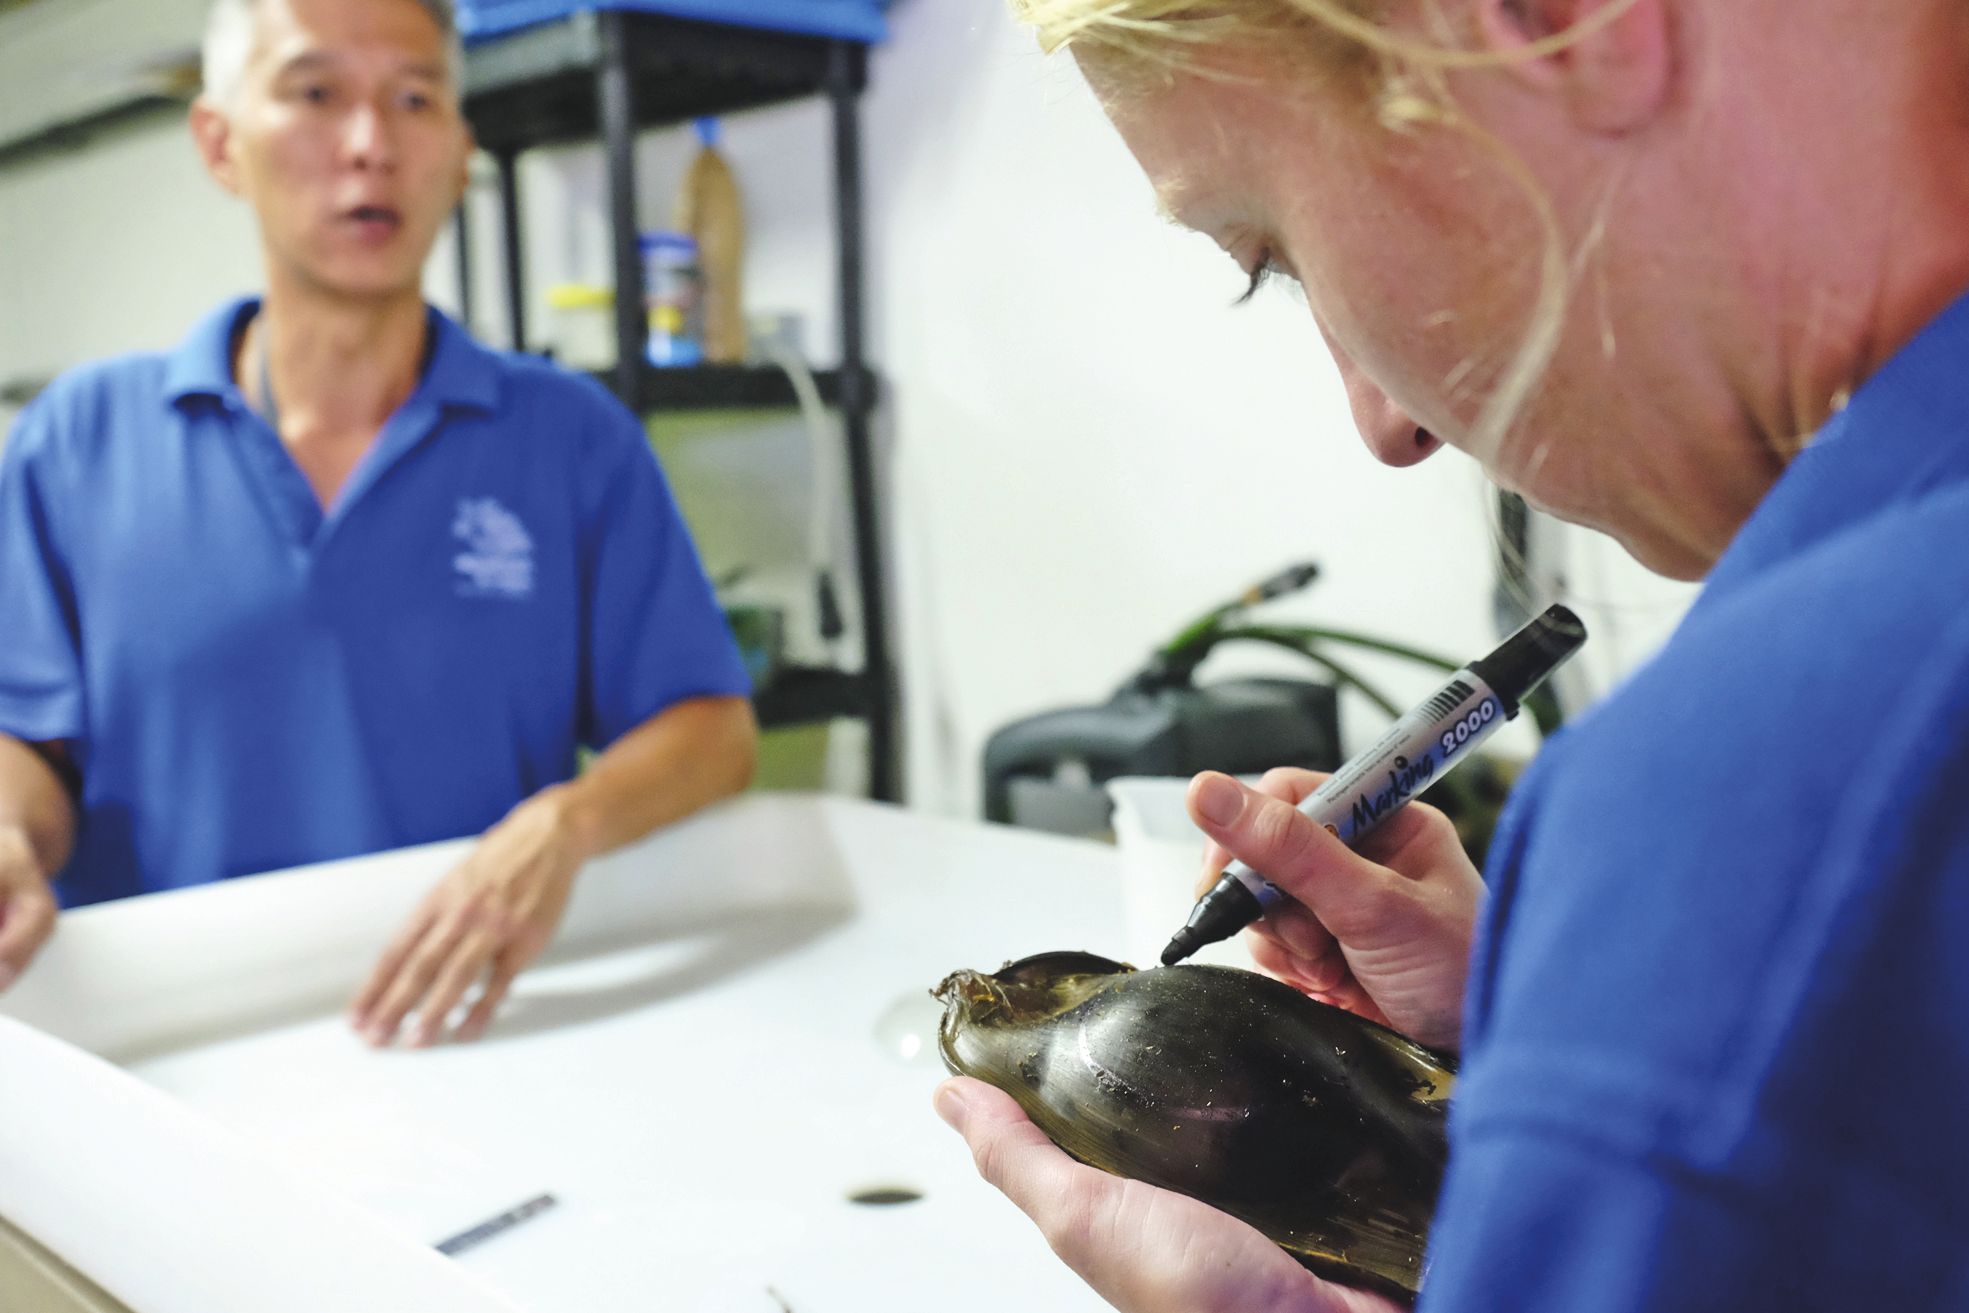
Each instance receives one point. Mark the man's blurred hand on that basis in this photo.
(481, 926)
(27, 905)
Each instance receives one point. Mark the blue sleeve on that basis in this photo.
(655, 635)
(1729, 1073)
(1542, 1220)
(40, 664)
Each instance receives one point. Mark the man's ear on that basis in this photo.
(1611, 60)
(211, 133)
(465, 165)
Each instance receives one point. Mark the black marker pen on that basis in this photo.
(1418, 748)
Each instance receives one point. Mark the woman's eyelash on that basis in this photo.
(1260, 274)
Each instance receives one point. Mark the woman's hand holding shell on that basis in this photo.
(1143, 1249)
(1384, 932)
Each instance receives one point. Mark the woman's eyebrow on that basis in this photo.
(1169, 203)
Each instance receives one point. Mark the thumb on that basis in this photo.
(1305, 860)
(1015, 1155)
(27, 917)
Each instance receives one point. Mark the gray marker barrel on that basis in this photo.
(1408, 758)
(1415, 752)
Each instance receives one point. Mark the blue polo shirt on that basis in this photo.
(249, 683)
(1717, 1032)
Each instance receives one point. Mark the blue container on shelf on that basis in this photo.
(673, 289)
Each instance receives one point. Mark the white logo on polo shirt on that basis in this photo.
(498, 556)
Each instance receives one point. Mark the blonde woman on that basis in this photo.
(1691, 272)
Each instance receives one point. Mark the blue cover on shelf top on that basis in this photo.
(854, 20)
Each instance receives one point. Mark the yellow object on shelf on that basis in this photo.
(579, 296)
(583, 328)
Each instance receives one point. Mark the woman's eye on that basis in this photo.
(1260, 274)
(416, 100)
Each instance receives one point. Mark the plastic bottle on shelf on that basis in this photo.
(708, 209)
(673, 285)
(582, 332)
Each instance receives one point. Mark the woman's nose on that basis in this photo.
(1389, 431)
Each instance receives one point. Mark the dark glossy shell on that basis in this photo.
(1321, 1129)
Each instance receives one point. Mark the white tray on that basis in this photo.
(732, 1037)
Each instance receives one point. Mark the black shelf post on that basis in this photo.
(845, 71)
(616, 113)
(605, 72)
(461, 228)
(509, 214)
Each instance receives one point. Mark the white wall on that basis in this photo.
(1086, 445)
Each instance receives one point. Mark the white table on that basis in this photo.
(732, 1037)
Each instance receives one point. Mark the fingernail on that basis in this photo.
(1219, 799)
(951, 1107)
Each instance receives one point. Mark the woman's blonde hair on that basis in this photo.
(1158, 29)
(1409, 94)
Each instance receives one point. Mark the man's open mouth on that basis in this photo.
(379, 217)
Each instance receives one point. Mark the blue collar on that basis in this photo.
(462, 373)
(1904, 434)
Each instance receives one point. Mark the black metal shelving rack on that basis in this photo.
(604, 75)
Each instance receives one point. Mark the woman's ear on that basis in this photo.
(1611, 60)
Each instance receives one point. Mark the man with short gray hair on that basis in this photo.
(231, 29)
(330, 577)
